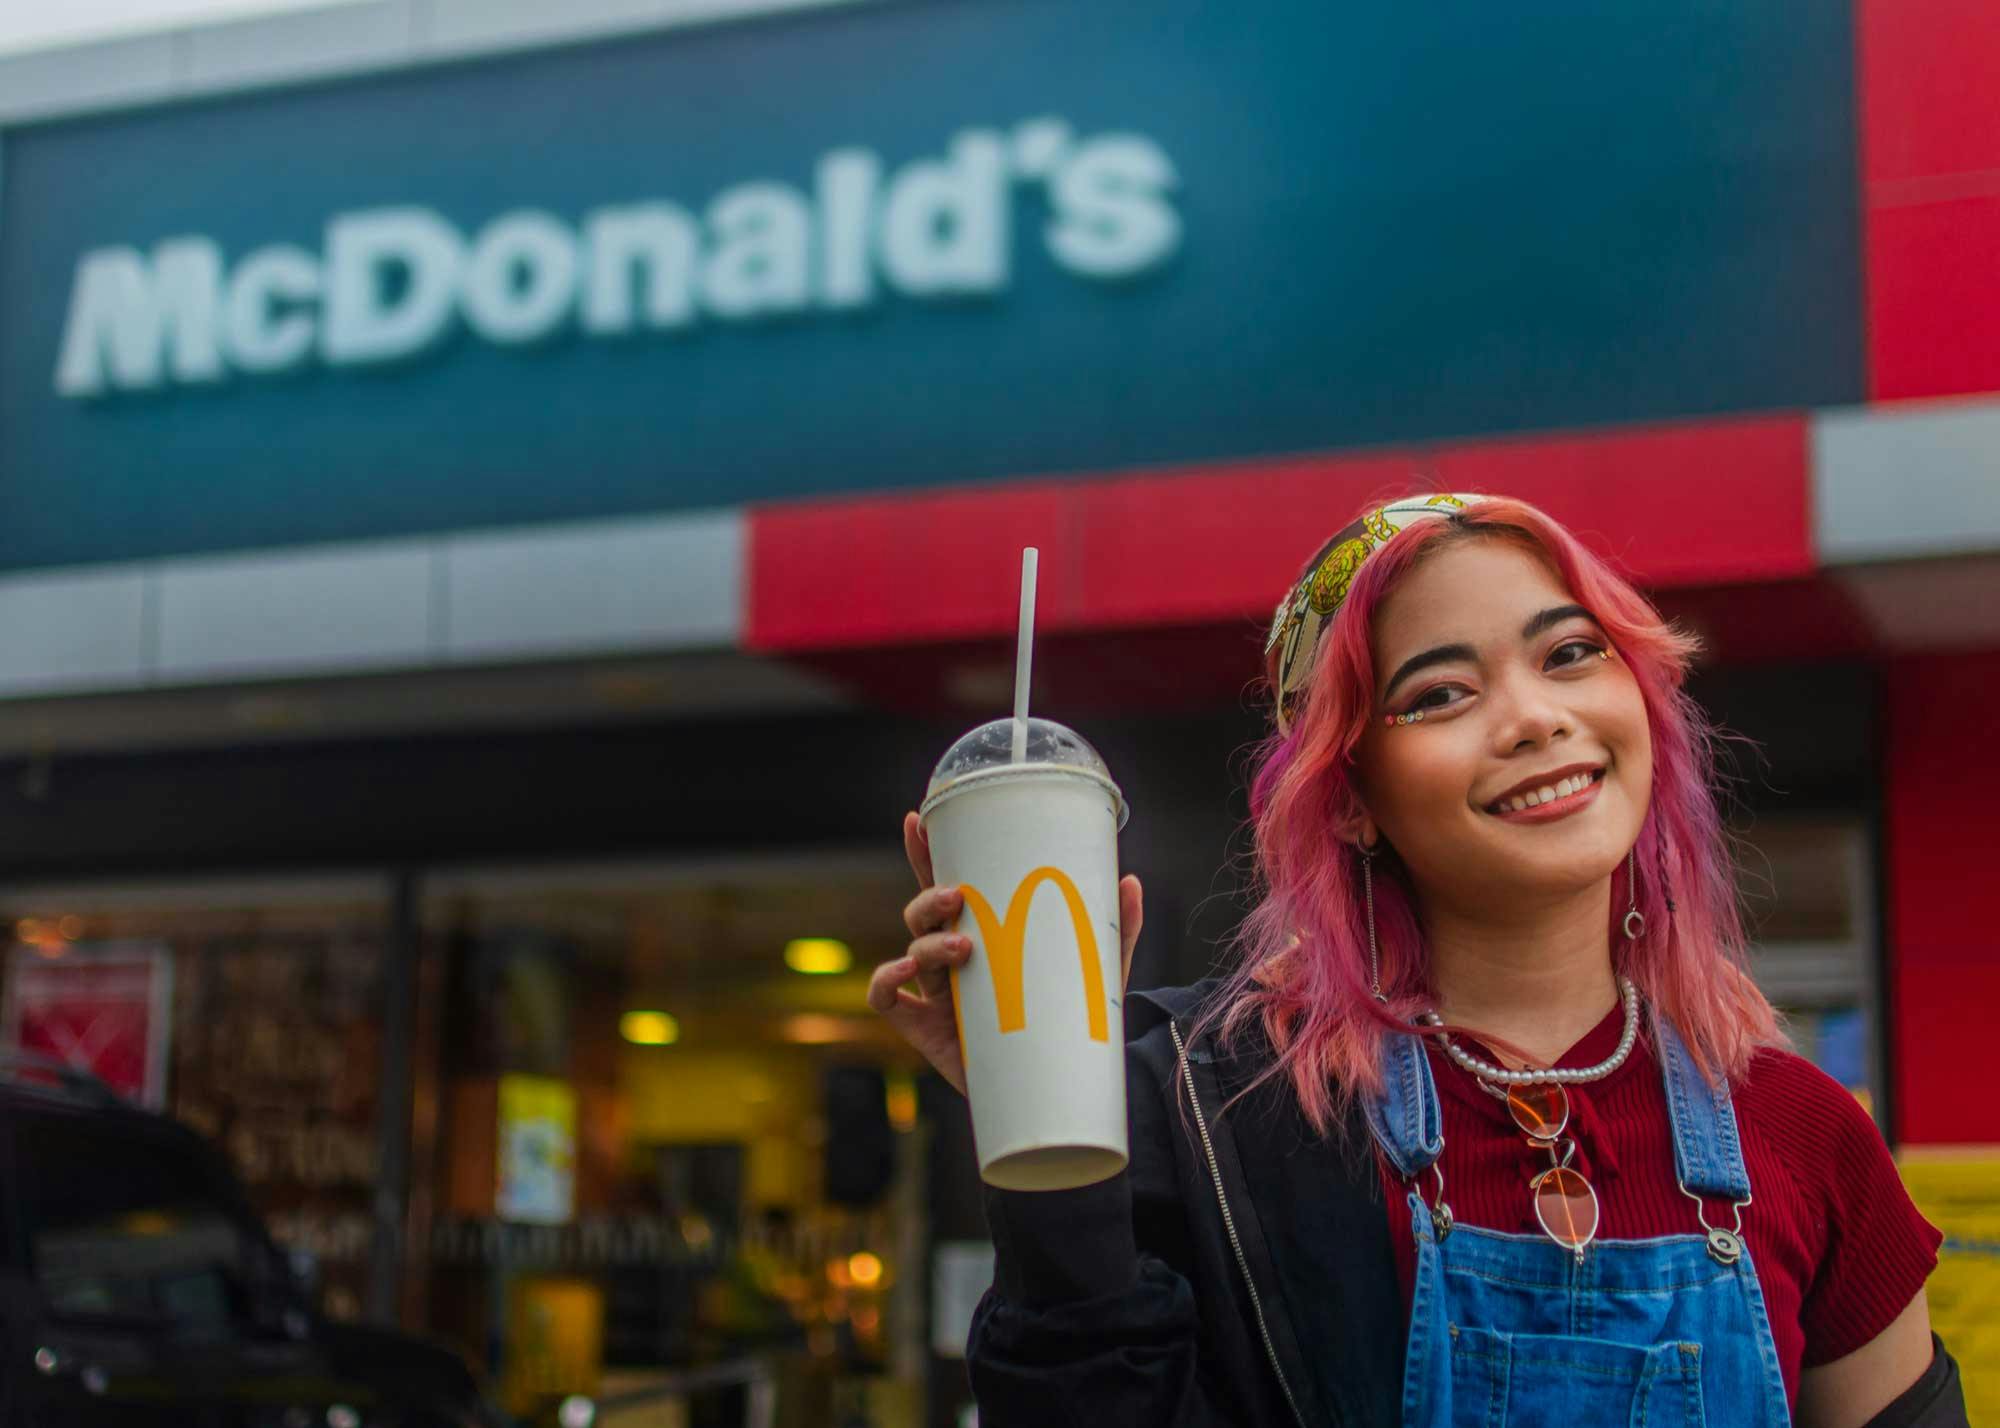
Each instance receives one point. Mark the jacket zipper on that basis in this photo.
(1229, 1223)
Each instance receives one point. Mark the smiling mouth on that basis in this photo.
(1550, 793)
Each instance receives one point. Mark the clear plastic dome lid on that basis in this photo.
(989, 749)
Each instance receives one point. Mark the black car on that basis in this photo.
(139, 1289)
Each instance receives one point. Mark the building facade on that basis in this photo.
(499, 511)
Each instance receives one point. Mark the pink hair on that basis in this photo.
(1303, 949)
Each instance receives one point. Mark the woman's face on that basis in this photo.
(1484, 639)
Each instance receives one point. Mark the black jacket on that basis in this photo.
(1237, 1274)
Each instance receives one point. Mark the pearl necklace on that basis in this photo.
(1555, 1075)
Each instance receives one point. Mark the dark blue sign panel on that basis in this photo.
(912, 243)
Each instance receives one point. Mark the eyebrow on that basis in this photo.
(1449, 654)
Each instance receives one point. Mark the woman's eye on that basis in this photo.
(1585, 646)
(1427, 699)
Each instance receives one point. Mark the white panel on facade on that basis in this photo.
(458, 26)
(467, 26)
(642, 584)
(691, 12)
(1868, 462)
(291, 612)
(65, 631)
(271, 49)
(193, 61)
(102, 74)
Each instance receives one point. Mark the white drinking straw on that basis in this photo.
(1024, 648)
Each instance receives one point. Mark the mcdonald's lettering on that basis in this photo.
(1006, 942)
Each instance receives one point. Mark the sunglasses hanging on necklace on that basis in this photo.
(1565, 1203)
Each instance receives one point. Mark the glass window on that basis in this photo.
(691, 1047)
(272, 1045)
(1806, 888)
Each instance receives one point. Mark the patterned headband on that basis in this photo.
(1305, 613)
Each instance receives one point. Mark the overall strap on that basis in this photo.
(1404, 1115)
(1708, 1153)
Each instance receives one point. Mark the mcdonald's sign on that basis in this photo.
(1005, 940)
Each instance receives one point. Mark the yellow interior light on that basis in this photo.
(864, 1269)
(902, 1100)
(649, 1028)
(816, 1029)
(818, 956)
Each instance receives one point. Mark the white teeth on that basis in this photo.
(1548, 793)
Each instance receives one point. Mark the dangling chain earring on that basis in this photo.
(1633, 933)
(1368, 896)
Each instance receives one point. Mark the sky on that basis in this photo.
(39, 24)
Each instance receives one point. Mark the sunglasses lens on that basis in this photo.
(1540, 1111)
(1566, 1206)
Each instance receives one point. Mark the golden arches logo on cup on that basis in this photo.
(1005, 941)
(1023, 819)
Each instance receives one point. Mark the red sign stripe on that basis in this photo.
(1690, 504)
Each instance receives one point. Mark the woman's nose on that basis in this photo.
(1528, 712)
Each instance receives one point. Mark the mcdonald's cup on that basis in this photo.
(1033, 846)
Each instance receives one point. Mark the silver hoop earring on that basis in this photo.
(1635, 920)
(1368, 897)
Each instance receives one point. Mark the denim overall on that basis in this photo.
(1515, 1331)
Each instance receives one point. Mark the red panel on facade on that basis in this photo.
(1930, 146)
(881, 571)
(1694, 504)
(1219, 544)
(1716, 503)
(1933, 304)
(1928, 71)
(1942, 833)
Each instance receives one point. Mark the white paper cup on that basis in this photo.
(1040, 1000)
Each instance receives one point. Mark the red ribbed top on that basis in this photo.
(1840, 1250)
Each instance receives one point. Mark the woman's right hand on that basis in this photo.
(925, 1018)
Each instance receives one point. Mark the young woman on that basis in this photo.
(1489, 1125)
